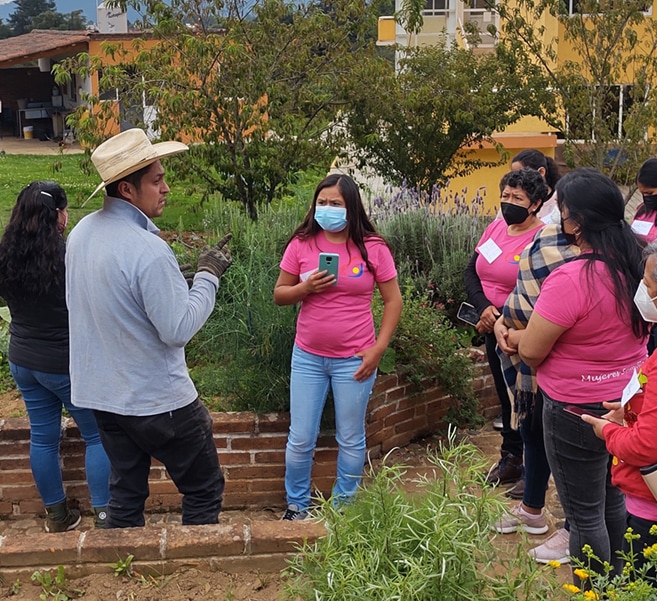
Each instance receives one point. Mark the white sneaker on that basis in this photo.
(519, 519)
(555, 548)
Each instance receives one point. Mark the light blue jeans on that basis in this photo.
(309, 385)
(44, 395)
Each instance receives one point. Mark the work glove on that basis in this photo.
(216, 259)
(188, 273)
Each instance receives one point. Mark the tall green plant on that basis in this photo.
(243, 352)
(433, 545)
(432, 238)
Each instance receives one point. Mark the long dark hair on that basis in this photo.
(535, 159)
(359, 226)
(31, 248)
(595, 204)
(648, 177)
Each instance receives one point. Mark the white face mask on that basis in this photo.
(645, 304)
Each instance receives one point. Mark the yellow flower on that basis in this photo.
(553, 563)
(653, 530)
(581, 574)
(571, 588)
(590, 594)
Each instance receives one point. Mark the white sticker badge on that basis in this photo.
(490, 250)
(642, 228)
(632, 388)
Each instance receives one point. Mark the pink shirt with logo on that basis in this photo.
(338, 322)
(643, 224)
(498, 277)
(593, 360)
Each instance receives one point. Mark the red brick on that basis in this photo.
(164, 502)
(18, 492)
(394, 394)
(381, 413)
(415, 427)
(326, 455)
(256, 471)
(398, 440)
(69, 473)
(253, 443)
(273, 422)
(324, 485)
(11, 477)
(108, 546)
(236, 486)
(378, 437)
(235, 458)
(269, 457)
(324, 468)
(253, 500)
(384, 382)
(233, 422)
(16, 462)
(201, 541)
(283, 537)
(15, 428)
(31, 507)
(40, 549)
(162, 487)
(400, 416)
(273, 485)
(72, 447)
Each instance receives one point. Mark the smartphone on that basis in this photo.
(579, 411)
(330, 262)
(468, 314)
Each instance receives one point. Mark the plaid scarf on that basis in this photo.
(549, 250)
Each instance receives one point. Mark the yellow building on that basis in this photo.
(450, 17)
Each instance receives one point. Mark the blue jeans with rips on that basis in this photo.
(44, 395)
(311, 377)
(183, 441)
(581, 467)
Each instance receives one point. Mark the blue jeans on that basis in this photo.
(309, 385)
(537, 468)
(183, 441)
(580, 464)
(44, 395)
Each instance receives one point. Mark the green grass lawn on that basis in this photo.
(183, 210)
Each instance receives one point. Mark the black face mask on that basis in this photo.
(650, 201)
(570, 238)
(514, 214)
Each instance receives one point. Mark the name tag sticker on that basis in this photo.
(490, 250)
(632, 388)
(304, 276)
(642, 228)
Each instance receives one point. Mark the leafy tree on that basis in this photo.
(5, 30)
(439, 107)
(614, 43)
(261, 94)
(20, 20)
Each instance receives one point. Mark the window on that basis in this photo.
(435, 8)
(614, 102)
(574, 7)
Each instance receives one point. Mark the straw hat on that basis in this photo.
(128, 152)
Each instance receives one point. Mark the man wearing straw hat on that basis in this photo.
(131, 314)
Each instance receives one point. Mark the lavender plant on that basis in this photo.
(432, 236)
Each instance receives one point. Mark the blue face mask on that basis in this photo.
(331, 219)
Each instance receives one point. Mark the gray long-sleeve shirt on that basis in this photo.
(130, 314)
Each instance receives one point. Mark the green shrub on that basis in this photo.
(432, 240)
(432, 545)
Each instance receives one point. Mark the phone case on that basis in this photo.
(468, 314)
(579, 411)
(330, 262)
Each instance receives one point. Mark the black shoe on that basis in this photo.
(61, 519)
(508, 470)
(292, 513)
(517, 490)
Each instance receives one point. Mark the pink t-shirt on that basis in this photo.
(593, 360)
(644, 225)
(498, 274)
(338, 322)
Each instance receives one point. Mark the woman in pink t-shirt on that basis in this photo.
(644, 224)
(490, 277)
(336, 345)
(585, 339)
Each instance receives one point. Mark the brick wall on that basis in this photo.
(251, 448)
